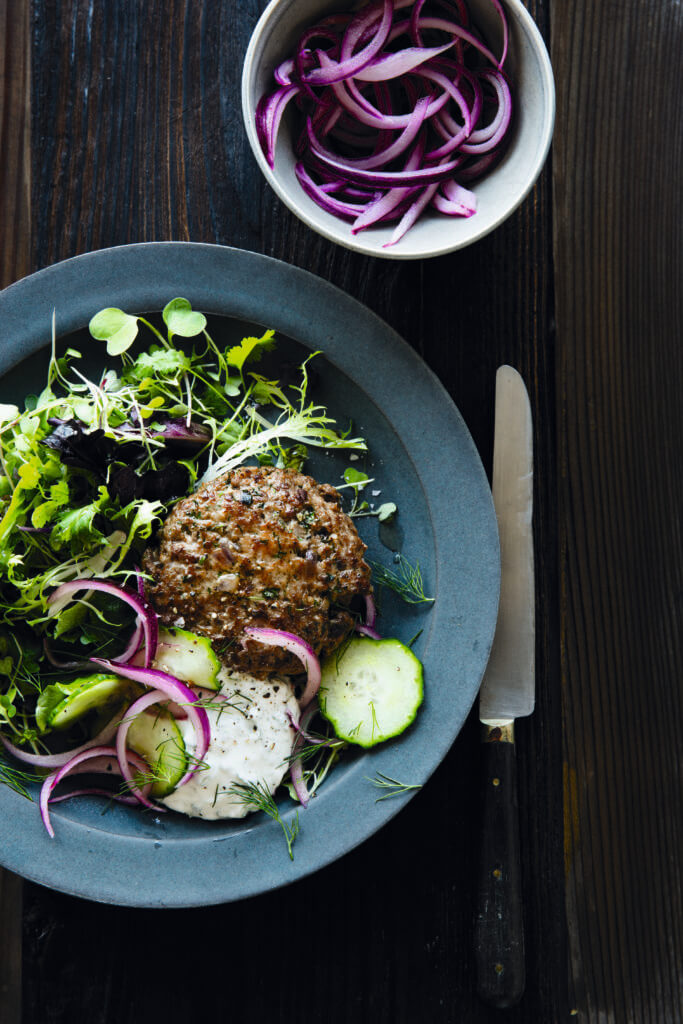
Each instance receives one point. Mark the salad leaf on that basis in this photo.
(8, 413)
(59, 496)
(117, 328)
(78, 446)
(79, 523)
(161, 362)
(155, 484)
(356, 478)
(250, 348)
(181, 319)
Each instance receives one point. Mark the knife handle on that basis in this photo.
(499, 931)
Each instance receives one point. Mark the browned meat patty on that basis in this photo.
(259, 547)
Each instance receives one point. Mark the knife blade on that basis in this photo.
(507, 693)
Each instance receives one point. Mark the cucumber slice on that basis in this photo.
(188, 657)
(62, 704)
(157, 738)
(371, 692)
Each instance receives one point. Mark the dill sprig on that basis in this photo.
(308, 751)
(406, 581)
(16, 778)
(220, 702)
(258, 797)
(392, 786)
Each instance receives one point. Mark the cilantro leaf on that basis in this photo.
(159, 362)
(250, 348)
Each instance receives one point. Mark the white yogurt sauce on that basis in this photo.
(251, 740)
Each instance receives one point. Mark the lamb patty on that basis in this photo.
(259, 547)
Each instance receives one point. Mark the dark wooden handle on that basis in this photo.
(499, 931)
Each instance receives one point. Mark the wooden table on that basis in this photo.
(120, 122)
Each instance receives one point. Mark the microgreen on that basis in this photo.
(117, 328)
(181, 319)
(355, 478)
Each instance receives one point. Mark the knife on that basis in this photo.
(507, 693)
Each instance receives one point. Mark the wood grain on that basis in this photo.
(618, 213)
(15, 137)
(15, 254)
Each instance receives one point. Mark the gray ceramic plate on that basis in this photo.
(422, 457)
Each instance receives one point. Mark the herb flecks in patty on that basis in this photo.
(281, 572)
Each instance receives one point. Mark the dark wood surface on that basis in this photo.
(120, 122)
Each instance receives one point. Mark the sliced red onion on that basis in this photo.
(459, 201)
(348, 95)
(146, 616)
(296, 646)
(384, 156)
(477, 143)
(177, 691)
(411, 215)
(268, 117)
(57, 760)
(120, 798)
(325, 201)
(296, 772)
(475, 170)
(283, 72)
(348, 65)
(296, 769)
(368, 631)
(122, 752)
(301, 726)
(140, 583)
(395, 65)
(370, 610)
(461, 33)
(53, 780)
(353, 139)
(134, 643)
(391, 200)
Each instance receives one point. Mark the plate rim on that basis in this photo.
(202, 266)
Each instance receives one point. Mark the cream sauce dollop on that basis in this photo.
(251, 740)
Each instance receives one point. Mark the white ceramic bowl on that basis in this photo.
(498, 193)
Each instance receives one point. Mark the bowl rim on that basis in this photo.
(517, 10)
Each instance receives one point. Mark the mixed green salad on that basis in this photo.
(88, 470)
